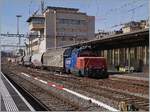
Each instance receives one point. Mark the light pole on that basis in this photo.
(75, 38)
(18, 16)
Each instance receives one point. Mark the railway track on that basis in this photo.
(36, 104)
(52, 100)
(133, 82)
(106, 92)
(125, 85)
(91, 86)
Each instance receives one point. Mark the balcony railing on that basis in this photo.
(36, 26)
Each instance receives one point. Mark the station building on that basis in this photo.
(59, 26)
(129, 51)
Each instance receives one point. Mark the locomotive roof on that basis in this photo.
(91, 57)
(82, 49)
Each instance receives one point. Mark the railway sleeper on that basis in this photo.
(75, 106)
(56, 103)
(142, 103)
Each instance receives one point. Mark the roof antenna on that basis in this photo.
(30, 7)
(42, 6)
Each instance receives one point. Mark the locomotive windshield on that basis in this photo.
(87, 53)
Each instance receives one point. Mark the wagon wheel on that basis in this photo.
(42, 68)
(79, 72)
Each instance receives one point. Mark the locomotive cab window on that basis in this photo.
(87, 54)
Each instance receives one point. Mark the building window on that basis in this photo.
(71, 21)
(63, 39)
(38, 21)
(71, 38)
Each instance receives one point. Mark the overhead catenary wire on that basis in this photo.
(126, 5)
(120, 9)
(133, 10)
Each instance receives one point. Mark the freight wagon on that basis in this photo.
(19, 60)
(78, 61)
(27, 60)
(36, 60)
(53, 59)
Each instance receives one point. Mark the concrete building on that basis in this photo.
(133, 26)
(101, 34)
(104, 34)
(59, 26)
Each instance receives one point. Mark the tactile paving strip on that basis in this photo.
(8, 101)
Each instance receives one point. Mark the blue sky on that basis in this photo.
(107, 12)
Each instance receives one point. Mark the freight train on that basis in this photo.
(79, 61)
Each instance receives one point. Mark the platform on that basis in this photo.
(11, 99)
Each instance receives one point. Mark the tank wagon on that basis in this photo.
(78, 61)
(27, 60)
(36, 60)
(19, 60)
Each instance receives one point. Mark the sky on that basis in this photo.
(108, 13)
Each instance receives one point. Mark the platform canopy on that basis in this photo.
(131, 39)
